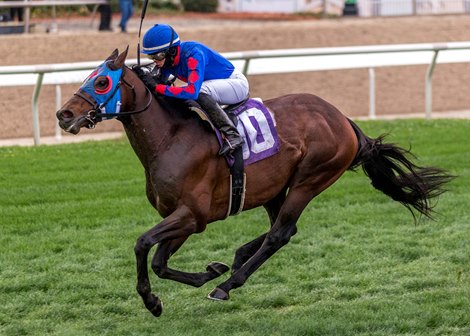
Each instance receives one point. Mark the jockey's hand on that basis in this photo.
(140, 71)
(149, 81)
(170, 81)
(145, 77)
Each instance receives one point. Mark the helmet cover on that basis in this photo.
(159, 38)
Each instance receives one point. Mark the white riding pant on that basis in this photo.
(227, 91)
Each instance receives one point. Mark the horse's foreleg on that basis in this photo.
(179, 223)
(152, 302)
(166, 249)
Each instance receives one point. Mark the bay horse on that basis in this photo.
(188, 183)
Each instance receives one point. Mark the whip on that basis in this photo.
(142, 16)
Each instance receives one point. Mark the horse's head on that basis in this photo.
(100, 96)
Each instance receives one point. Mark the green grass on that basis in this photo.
(359, 265)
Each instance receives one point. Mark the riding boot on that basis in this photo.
(222, 122)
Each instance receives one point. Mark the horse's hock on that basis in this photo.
(398, 89)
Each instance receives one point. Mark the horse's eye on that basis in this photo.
(102, 84)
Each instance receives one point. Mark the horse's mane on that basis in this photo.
(175, 106)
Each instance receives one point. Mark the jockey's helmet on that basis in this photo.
(160, 37)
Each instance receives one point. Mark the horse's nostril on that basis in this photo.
(65, 114)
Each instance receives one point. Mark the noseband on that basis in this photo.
(95, 114)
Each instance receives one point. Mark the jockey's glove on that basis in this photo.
(146, 77)
(149, 82)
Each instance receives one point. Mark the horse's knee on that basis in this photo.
(143, 244)
(160, 270)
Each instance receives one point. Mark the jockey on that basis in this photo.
(211, 79)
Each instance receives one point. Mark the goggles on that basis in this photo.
(159, 56)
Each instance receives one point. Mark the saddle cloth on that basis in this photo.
(257, 126)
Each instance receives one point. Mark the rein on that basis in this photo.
(97, 110)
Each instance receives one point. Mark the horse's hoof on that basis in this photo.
(218, 295)
(157, 308)
(217, 267)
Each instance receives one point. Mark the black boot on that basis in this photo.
(221, 121)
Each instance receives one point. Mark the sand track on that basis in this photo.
(399, 89)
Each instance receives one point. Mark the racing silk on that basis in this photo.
(194, 64)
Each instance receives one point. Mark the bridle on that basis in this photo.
(96, 114)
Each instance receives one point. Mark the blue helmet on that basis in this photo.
(159, 38)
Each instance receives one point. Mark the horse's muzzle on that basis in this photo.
(69, 123)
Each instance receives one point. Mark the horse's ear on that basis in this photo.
(113, 55)
(119, 62)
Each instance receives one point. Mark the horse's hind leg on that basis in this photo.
(279, 235)
(284, 228)
(246, 251)
(160, 260)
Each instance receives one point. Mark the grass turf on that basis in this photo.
(359, 265)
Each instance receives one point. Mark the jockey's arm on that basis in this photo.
(194, 79)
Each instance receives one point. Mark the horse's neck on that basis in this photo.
(149, 131)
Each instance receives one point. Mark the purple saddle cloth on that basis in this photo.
(258, 128)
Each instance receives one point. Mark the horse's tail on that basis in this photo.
(391, 172)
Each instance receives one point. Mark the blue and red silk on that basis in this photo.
(194, 64)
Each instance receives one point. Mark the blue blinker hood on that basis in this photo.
(109, 99)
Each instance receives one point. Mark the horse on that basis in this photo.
(188, 183)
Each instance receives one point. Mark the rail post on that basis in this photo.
(428, 85)
(37, 91)
(58, 105)
(372, 114)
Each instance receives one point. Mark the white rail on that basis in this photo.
(269, 62)
(36, 3)
(27, 4)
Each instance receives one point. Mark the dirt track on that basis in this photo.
(399, 89)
